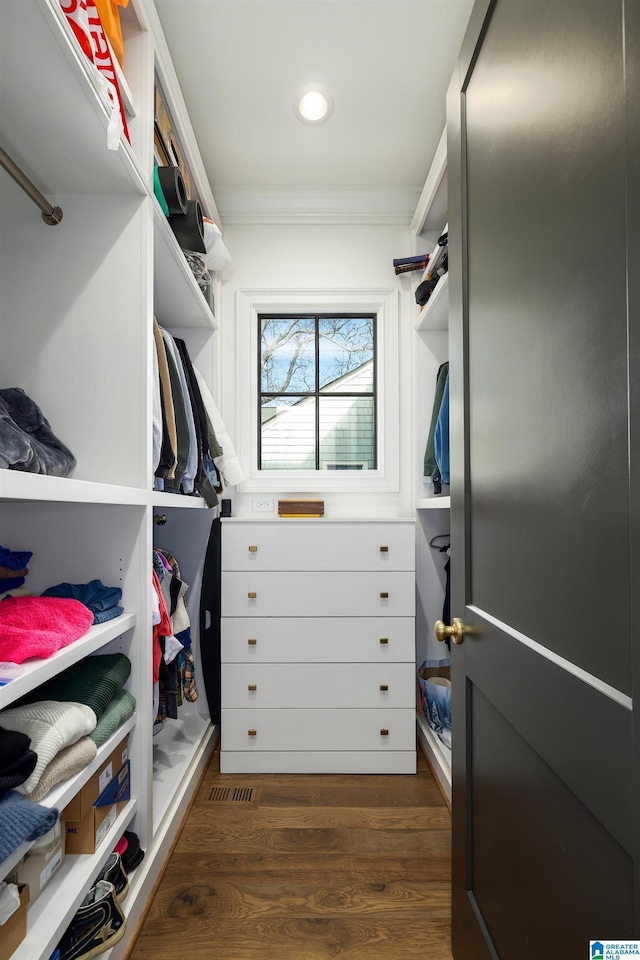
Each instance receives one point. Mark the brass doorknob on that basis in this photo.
(456, 631)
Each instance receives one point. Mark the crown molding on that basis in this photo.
(317, 206)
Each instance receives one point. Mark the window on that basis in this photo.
(338, 471)
(317, 392)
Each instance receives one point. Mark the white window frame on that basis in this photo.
(384, 304)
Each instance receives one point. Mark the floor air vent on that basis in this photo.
(244, 795)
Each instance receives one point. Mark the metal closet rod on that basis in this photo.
(51, 215)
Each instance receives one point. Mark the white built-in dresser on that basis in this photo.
(318, 646)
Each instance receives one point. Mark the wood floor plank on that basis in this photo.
(292, 868)
(407, 818)
(355, 841)
(244, 898)
(307, 939)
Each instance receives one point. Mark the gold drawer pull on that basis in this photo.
(384, 595)
(252, 687)
(252, 733)
(252, 595)
(252, 641)
(384, 549)
(382, 640)
(384, 687)
(384, 732)
(253, 549)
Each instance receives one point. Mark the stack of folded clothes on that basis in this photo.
(54, 729)
(102, 601)
(66, 720)
(98, 682)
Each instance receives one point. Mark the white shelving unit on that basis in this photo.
(432, 349)
(76, 326)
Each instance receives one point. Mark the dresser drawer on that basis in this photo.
(262, 594)
(317, 639)
(318, 545)
(301, 685)
(310, 729)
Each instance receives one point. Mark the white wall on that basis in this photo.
(296, 256)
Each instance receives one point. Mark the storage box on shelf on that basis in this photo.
(76, 329)
(317, 646)
(14, 930)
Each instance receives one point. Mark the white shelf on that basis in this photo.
(174, 749)
(36, 672)
(434, 503)
(439, 754)
(30, 119)
(178, 300)
(54, 909)
(16, 485)
(431, 210)
(435, 313)
(159, 499)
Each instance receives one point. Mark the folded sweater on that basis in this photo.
(22, 820)
(93, 681)
(51, 726)
(38, 626)
(119, 710)
(65, 764)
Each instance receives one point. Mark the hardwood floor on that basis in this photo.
(315, 868)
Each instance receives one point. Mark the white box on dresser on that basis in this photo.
(318, 646)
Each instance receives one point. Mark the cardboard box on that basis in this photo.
(37, 869)
(86, 835)
(78, 808)
(13, 932)
(118, 790)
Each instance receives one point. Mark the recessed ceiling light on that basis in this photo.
(313, 104)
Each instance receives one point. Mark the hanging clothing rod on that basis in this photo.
(50, 215)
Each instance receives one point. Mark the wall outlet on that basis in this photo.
(263, 504)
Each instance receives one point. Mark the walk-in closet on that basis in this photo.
(318, 508)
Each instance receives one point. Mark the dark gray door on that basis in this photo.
(545, 375)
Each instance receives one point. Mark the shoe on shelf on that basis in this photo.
(133, 855)
(98, 924)
(114, 872)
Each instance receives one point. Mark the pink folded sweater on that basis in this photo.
(38, 626)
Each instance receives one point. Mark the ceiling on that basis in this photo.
(387, 64)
